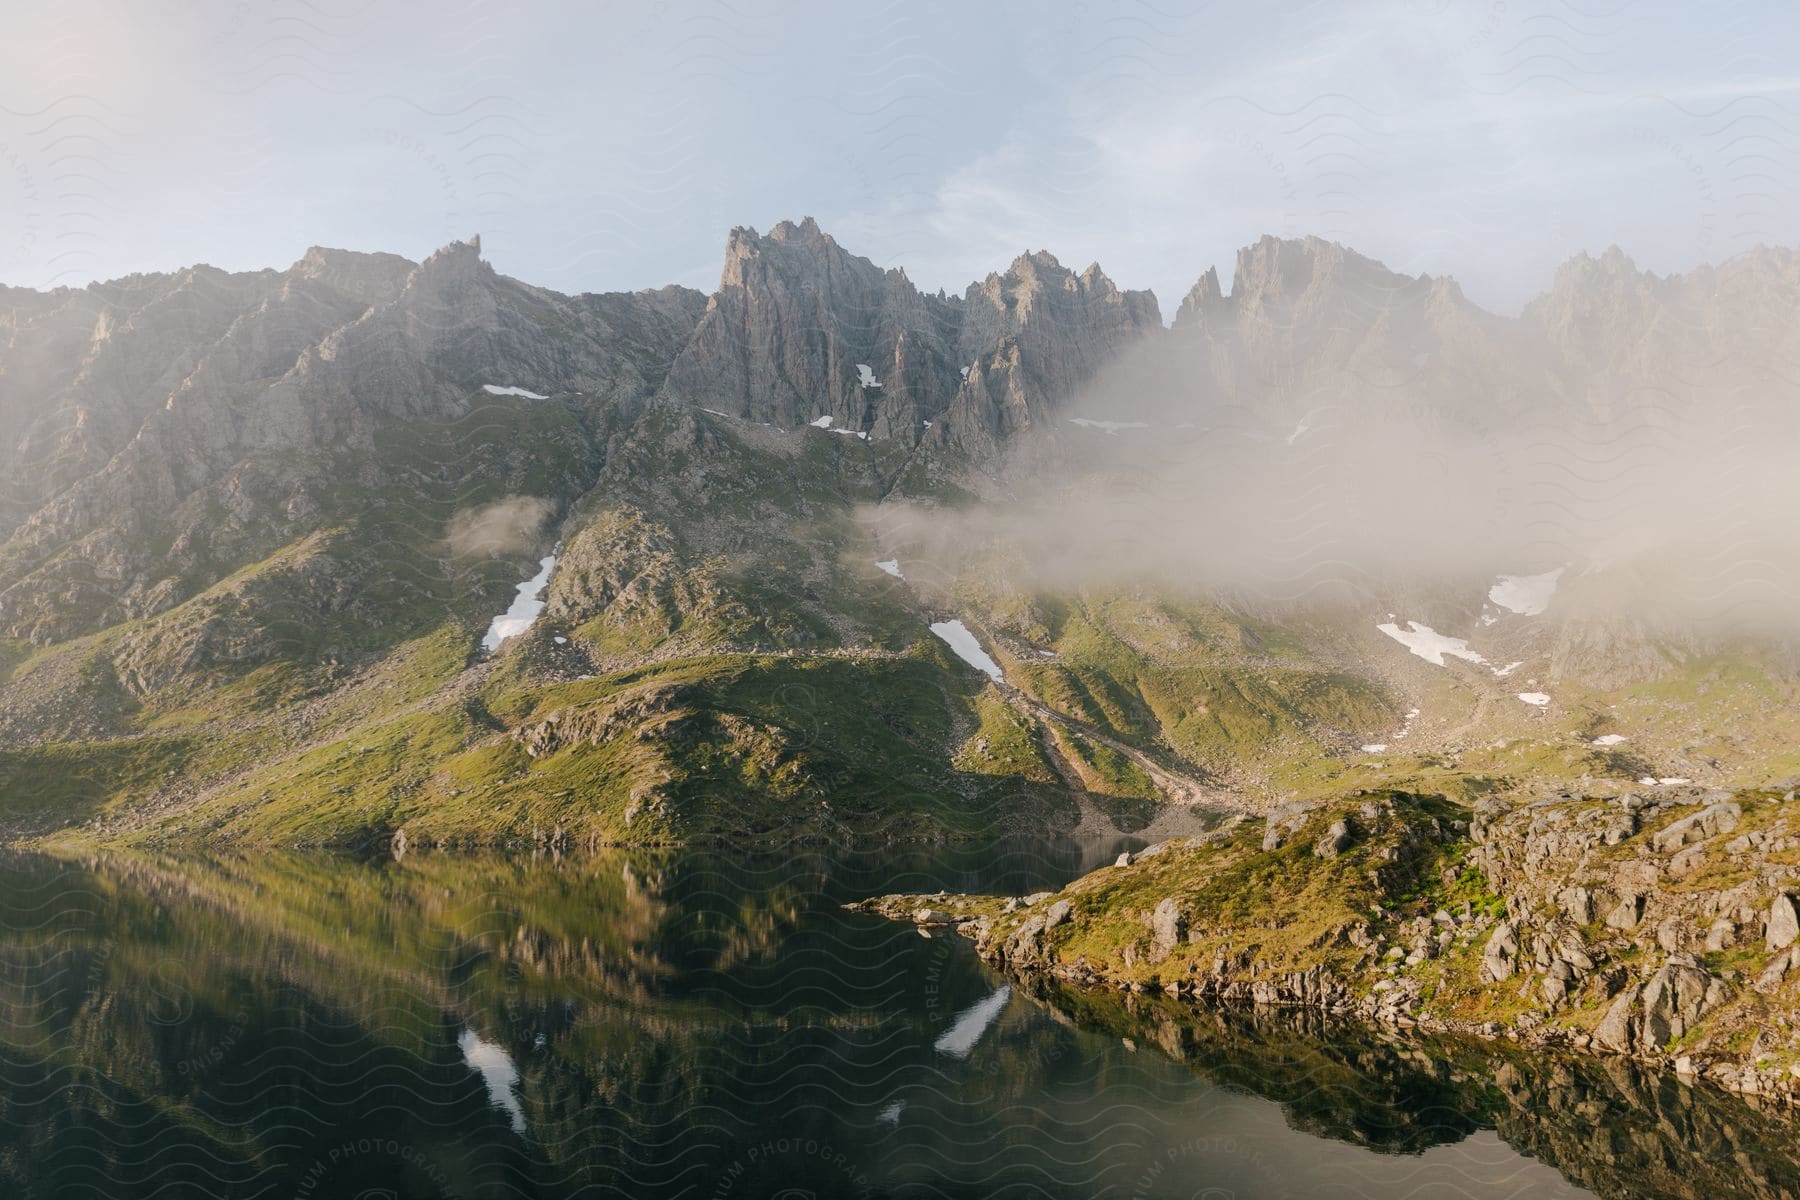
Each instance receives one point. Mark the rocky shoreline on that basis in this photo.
(1655, 925)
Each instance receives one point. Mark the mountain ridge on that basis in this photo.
(230, 565)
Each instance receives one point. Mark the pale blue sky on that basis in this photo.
(607, 146)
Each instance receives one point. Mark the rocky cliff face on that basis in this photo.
(210, 418)
(1032, 337)
(800, 329)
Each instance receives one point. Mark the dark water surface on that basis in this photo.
(642, 1025)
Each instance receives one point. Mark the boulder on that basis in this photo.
(1626, 914)
(1617, 1028)
(1026, 940)
(1709, 821)
(1282, 823)
(1776, 972)
(1577, 904)
(1500, 956)
(1674, 1001)
(1057, 913)
(1556, 982)
(1167, 925)
(1784, 923)
(1337, 839)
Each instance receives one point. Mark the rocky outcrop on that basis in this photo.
(1594, 933)
(1031, 337)
(1646, 1018)
(801, 329)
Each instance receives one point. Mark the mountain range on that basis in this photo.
(257, 528)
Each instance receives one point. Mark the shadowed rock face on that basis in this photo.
(796, 318)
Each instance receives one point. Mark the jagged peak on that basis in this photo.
(1610, 265)
(469, 248)
(321, 259)
(807, 230)
(1095, 279)
(1204, 298)
(1032, 262)
(456, 261)
(789, 243)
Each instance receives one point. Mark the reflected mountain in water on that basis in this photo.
(641, 1024)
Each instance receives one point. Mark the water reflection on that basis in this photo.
(642, 1025)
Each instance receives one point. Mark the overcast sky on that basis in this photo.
(611, 146)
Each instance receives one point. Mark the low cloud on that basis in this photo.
(508, 526)
(1372, 488)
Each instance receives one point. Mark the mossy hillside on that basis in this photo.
(13, 652)
(1103, 770)
(45, 786)
(723, 745)
(1220, 691)
(1725, 718)
(1005, 742)
(371, 573)
(707, 534)
(1287, 909)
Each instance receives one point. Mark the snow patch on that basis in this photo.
(865, 376)
(959, 1040)
(1374, 747)
(956, 635)
(1526, 595)
(1429, 644)
(822, 423)
(1508, 669)
(965, 372)
(892, 567)
(494, 389)
(498, 1074)
(1111, 427)
(1539, 699)
(853, 433)
(1610, 739)
(715, 412)
(891, 1114)
(525, 607)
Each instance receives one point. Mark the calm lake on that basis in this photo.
(640, 1024)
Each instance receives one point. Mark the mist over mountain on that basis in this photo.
(1331, 430)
